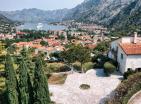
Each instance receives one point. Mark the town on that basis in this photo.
(89, 53)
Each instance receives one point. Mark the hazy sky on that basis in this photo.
(40, 4)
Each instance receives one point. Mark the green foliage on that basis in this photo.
(44, 43)
(102, 47)
(25, 86)
(27, 59)
(77, 66)
(87, 66)
(128, 73)
(32, 35)
(56, 67)
(11, 82)
(109, 68)
(41, 91)
(99, 61)
(62, 37)
(126, 90)
(76, 53)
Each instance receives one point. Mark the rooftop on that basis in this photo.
(131, 48)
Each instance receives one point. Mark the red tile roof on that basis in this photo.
(20, 33)
(91, 46)
(131, 48)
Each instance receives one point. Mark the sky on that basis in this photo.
(10, 5)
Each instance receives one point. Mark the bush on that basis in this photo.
(64, 68)
(128, 73)
(56, 67)
(109, 68)
(84, 86)
(103, 59)
(87, 66)
(53, 67)
(126, 90)
(77, 66)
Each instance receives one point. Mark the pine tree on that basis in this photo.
(25, 85)
(41, 91)
(11, 81)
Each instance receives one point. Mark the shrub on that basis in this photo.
(64, 68)
(109, 68)
(53, 67)
(77, 66)
(126, 90)
(99, 61)
(128, 73)
(84, 86)
(87, 66)
(56, 67)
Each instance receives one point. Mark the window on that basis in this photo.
(121, 56)
(129, 69)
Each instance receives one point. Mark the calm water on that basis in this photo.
(42, 26)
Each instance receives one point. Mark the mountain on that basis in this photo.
(35, 15)
(99, 11)
(112, 13)
(5, 20)
(129, 17)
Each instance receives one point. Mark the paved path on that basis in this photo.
(136, 99)
(70, 93)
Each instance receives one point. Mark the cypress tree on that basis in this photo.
(41, 91)
(25, 85)
(11, 81)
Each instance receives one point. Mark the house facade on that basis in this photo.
(127, 52)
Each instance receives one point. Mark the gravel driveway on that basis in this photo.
(70, 93)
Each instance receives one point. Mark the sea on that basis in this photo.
(41, 26)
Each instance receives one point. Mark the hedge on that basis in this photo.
(87, 66)
(109, 68)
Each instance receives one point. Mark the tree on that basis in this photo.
(76, 53)
(27, 59)
(44, 43)
(62, 37)
(82, 54)
(41, 91)
(101, 47)
(11, 81)
(25, 86)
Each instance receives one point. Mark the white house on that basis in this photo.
(127, 52)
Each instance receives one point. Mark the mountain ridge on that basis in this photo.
(35, 15)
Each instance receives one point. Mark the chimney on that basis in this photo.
(135, 37)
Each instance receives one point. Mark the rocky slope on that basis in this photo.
(35, 15)
(129, 17)
(5, 20)
(112, 13)
(100, 11)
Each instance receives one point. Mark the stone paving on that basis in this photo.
(70, 93)
(136, 99)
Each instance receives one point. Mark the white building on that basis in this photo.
(127, 52)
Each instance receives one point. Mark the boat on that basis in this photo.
(40, 26)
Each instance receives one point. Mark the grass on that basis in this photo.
(57, 79)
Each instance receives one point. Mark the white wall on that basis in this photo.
(133, 61)
(122, 62)
(127, 40)
(128, 61)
